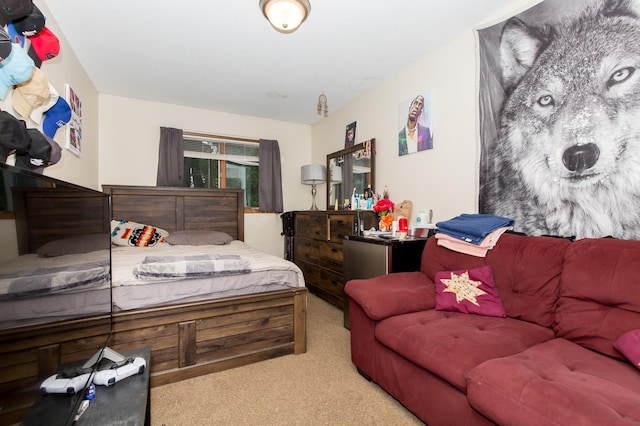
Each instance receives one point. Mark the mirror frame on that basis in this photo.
(345, 151)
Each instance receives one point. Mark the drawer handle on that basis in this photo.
(340, 222)
(334, 250)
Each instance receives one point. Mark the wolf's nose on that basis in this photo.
(581, 157)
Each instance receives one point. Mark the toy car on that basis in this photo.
(62, 383)
(120, 370)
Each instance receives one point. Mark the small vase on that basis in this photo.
(385, 224)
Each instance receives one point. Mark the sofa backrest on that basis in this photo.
(599, 293)
(526, 271)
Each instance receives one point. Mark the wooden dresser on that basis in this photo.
(318, 237)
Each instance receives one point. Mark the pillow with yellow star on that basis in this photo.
(470, 291)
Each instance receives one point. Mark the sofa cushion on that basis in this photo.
(556, 382)
(599, 293)
(470, 291)
(629, 345)
(392, 294)
(526, 271)
(449, 344)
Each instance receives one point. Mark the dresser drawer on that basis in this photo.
(331, 256)
(339, 226)
(332, 282)
(310, 271)
(312, 226)
(307, 250)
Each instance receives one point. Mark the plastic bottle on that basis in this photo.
(422, 218)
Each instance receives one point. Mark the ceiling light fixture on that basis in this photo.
(322, 105)
(285, 16)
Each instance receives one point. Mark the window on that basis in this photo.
(222, 162)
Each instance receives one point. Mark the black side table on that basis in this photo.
(126, 402)
(368, 257)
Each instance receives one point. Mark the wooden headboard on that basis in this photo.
(176, 209)
(43, 215)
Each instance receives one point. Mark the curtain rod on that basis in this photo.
(212, 136)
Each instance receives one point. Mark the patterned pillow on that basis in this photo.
(629, 345)
(132, 234)
(470, 291)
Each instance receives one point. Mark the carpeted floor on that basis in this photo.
(320, 387)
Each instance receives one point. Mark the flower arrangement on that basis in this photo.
(384, 207)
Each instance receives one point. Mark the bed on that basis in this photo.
(198, 332)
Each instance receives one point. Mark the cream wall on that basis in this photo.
(129, 138)
(445, 178)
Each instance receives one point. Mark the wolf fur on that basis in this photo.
(569, 137)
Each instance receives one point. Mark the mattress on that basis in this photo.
(58, 304)
(267, 273)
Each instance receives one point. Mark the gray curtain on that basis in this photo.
(170, 157)
(270, 194)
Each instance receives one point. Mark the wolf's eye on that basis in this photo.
(546, 100)
(620, 75)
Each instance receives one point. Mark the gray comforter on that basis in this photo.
(32, 282)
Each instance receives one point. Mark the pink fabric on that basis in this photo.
(460, 246)
(629, 345)
(469, 291)
(478, 250)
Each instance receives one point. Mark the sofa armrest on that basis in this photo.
(392, 294)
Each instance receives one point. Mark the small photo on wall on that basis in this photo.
(414, 124)
(74, 127)
(350, 135)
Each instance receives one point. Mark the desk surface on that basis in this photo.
(126, 402)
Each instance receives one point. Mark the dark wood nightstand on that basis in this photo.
(125, 403)
(368, 257)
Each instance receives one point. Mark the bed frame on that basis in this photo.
(191, 339)
(186, 340)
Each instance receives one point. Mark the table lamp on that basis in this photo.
(313, 174)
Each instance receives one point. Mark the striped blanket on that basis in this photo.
(192, 266)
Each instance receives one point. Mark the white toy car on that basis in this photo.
(62, 383)
(120, 370)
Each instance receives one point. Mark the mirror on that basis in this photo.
(350, 168)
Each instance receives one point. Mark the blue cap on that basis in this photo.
(55, 117)
(15, 69)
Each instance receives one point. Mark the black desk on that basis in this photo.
(125, 403)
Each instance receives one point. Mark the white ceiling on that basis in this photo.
(223, 55)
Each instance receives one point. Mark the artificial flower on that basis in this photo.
(383, 207)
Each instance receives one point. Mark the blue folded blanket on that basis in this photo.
(472, 228)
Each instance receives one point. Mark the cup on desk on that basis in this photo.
(403, 228)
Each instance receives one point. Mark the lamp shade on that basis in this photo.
(313, 174)
(336, 174)
(285, 16)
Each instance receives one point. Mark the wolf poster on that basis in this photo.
(559, 119)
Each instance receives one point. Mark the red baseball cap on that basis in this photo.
(45, 44)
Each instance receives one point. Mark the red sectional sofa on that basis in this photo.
(551, 360)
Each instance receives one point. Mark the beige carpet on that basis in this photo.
(321, 387)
